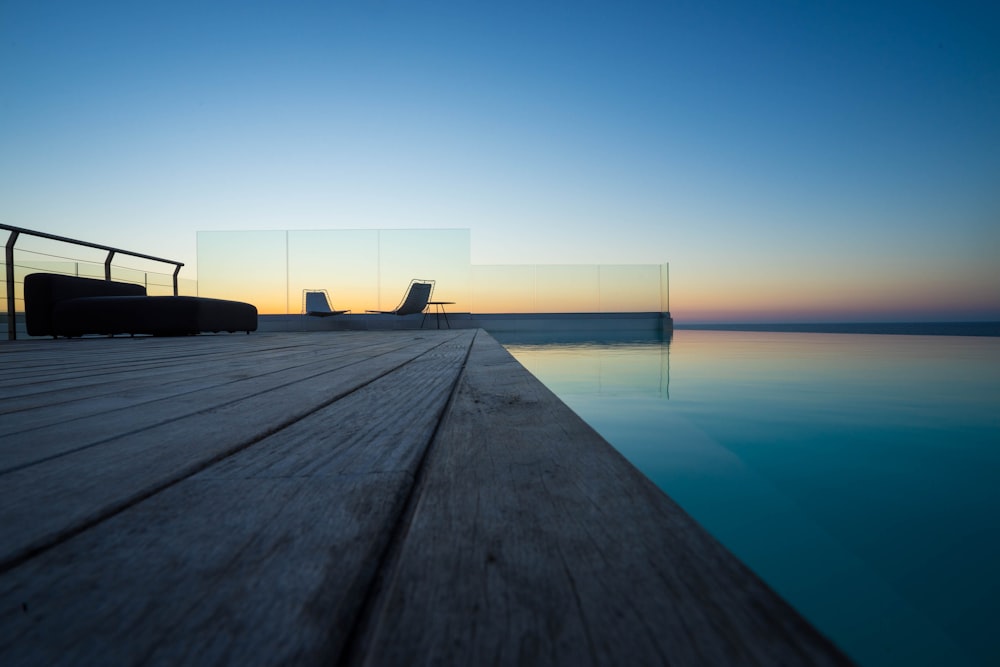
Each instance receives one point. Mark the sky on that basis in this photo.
(792, 161)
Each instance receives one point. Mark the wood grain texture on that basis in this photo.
(262, 558)
(209, 572)
(74, 419)
(118, 458)
(532, 541)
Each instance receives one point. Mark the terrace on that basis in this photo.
(349, 497)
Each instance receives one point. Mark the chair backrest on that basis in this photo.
(416, 297)
(316, 302)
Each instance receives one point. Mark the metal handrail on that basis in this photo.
(15, 232)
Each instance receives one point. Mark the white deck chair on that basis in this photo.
(316, 302)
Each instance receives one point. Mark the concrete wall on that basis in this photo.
(640, 323)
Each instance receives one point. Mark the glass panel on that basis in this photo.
(441, 255)
(187, 286)
(343, 262)
(503, 289)
(32, 264)
(37, 254)
(156, 277)
(629, 289)
(567, 289)
(126, 275)
(249, 266)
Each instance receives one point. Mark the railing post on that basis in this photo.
(107, 265)
(11, 311)
(177, 269)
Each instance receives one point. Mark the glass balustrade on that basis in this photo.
(371, 269)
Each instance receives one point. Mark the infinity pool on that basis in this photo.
(859, 475)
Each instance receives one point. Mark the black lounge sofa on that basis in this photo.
(57, 305)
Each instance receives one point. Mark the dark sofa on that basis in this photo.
(58, 305)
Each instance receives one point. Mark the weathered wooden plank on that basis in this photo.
(40, 404)
(70, 371)
(263, 372)
(47, 360)
(69, 366)
(532, 541)
(67, 360)
(264, 558)
(47, 501)
(249, 572)
(63, 430)
(37, 434)
(371, 423)
(66, 370)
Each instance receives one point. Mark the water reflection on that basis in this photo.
(614, 364)
(854, 473)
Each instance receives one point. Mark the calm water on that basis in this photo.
(859, 475)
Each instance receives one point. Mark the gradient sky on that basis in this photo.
(791, 160)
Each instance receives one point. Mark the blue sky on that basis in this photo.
(791, 160)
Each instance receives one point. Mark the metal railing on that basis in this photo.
(16, 232)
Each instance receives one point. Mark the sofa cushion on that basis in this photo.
(42, 291)
(156, 315)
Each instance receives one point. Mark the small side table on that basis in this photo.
(439, 311)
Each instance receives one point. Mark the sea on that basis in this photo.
(854, 467)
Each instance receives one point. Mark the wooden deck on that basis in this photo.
(351, 498)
